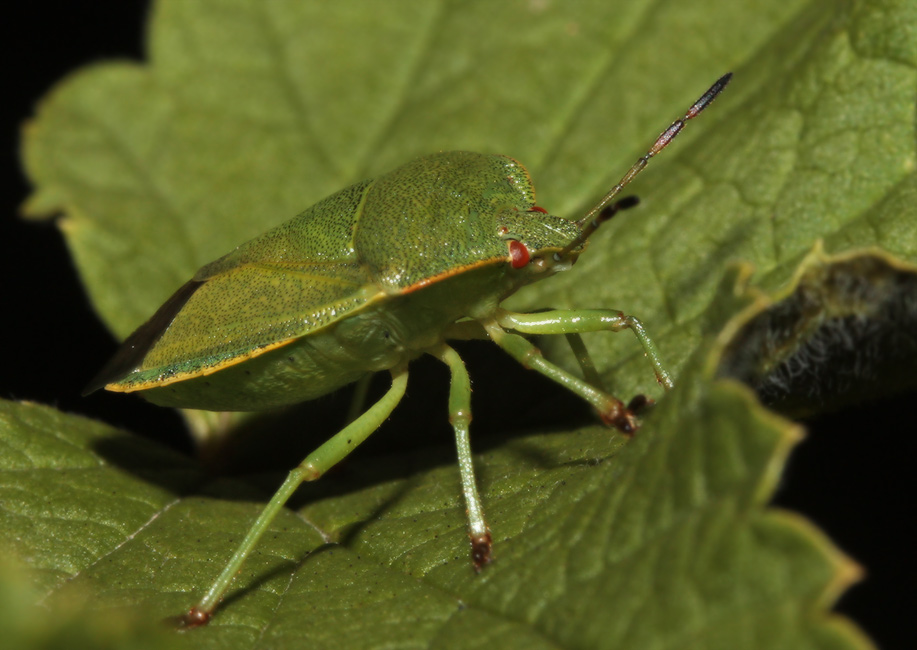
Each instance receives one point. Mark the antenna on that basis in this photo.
(605, 209)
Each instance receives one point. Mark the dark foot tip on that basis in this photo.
(640, 403)
(626, 424)
(195, 618)
(621, 418)
(481, 551)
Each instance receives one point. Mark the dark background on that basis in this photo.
(849, 476)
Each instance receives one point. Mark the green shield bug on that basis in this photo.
(367, 280)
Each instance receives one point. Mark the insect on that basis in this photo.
(364, 281)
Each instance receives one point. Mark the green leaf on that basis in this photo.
(243, 118)
(661, 541)
(247, 112)
(72, 626)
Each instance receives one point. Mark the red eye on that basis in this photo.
(535, 208)
(518, 254)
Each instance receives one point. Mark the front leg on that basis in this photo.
(610, 408)
(579, 321)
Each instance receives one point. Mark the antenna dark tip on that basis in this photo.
(606, 208)
(707, 98)
(721, 82)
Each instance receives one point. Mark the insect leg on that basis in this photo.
(577, 321)
(584, 359)
(460, 418)
(360, 389)
(611, 409)
(316, 464)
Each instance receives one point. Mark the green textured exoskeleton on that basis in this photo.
(367, 280)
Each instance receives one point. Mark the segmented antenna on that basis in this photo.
(604, 210)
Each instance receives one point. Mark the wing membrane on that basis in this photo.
(236, 314)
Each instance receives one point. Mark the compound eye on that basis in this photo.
(518, 254)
